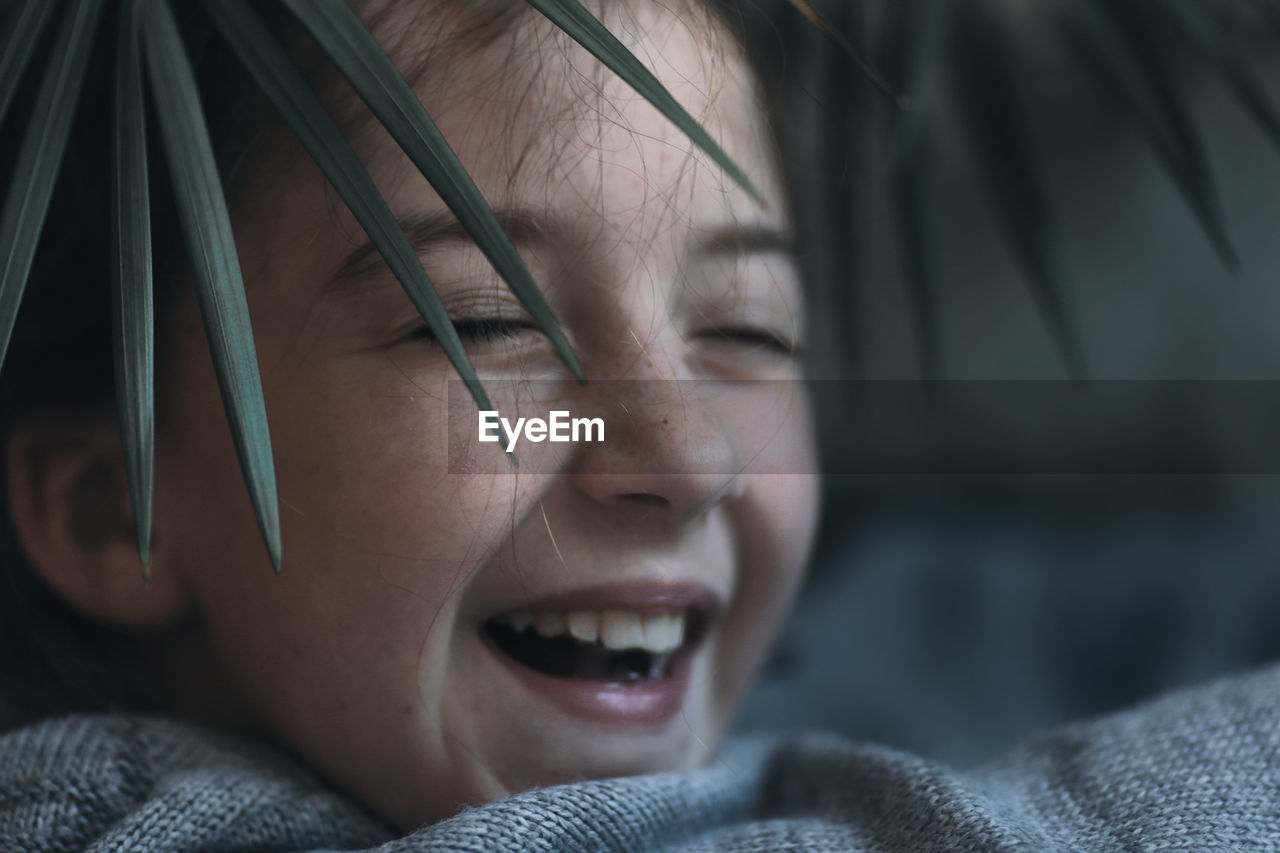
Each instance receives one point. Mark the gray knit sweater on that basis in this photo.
(1196, 771)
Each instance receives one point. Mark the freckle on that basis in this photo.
(407, 710)
(666, 421)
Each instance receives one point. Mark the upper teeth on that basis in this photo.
(616, 629)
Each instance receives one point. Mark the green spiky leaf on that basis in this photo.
(993, 115)
(375, 78)
(286, 88)
(1203, 26)
(811, 14)
(39, 159)
(1117, 43)
(216, 266)
(586, 30)
(908, 188)
(1269, 11)
(913, 58)
(840, 148)
(132, 314)
(17, 46)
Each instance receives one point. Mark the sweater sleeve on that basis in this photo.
(117, 783)
(1198, 770)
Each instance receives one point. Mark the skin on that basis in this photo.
(364, 656)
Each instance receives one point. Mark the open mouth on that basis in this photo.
(603, 646)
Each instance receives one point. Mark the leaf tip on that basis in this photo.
(1225, 251)
(756, 195)
(144, 546)
(271, 538)
(570, 359)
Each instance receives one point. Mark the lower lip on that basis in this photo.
(650, 702)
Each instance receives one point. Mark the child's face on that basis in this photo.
(373, 654)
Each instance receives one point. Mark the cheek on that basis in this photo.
(361, 469)
(776, 531)
(777, 524)
(364, 473)
(778, 543)
(772, 431)
(365, 496)
(378, 538)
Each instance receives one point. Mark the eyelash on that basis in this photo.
(757, 337)
(481, 329)
(489, 330)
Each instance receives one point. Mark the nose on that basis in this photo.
(668, 451)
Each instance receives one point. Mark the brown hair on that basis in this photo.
(52, 658)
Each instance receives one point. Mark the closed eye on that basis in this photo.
(753, 338)
(483, 329)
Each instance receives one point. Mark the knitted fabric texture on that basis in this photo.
(1199, 770)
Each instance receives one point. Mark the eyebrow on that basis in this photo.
(524, 228)
(428, 230)
(754, 239)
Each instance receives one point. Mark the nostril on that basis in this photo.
(659, 495)
(642, 498)
(642, 503)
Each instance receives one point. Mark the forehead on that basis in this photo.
(529, 111)
(544, 130)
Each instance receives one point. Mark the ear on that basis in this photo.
(69, 498)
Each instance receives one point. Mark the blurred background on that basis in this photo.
(1033, 191)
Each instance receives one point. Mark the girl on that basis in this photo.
(439, 639)
(446, 632)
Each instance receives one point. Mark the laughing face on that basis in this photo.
(443, 635)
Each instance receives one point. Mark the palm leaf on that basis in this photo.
(1269, 11)
(207, 226)
(1117, 43)
(839, 151)
(993, 114)
(811, 13)
(1203, 27)
(132, 315)
(909, 185)
(913, 58)
(288, 90)
(39, 158)
(374, 77)
(582, 27)
(18, 44)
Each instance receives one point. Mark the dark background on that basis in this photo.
(953, 616)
